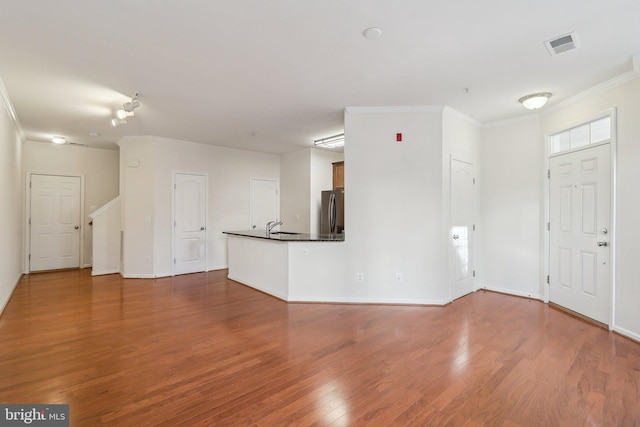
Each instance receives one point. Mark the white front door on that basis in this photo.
(579, 237)
(264, 202)
(55, 222)
(190, 219)
(462, 227)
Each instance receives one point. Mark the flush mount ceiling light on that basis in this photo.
(372, 33)
(330, 142)
(58, 140)
(118, 122)
(534, 101)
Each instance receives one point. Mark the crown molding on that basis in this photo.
(597, 89)
(396, 109)
(8, 106)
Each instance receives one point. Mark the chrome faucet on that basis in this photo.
(271, 225)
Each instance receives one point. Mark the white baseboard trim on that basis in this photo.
(627, 333)
(220, 267)
(274, 294)
(138, 276)
(381, 301)
(512, 292)
(103, 272)
(87, 266)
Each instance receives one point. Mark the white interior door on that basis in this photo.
(264, 202)
(579, 237)
(55, 222)
(462, 226)
(190, 219)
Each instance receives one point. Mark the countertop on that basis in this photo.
(288, 237)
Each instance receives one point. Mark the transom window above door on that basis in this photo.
(590, 133)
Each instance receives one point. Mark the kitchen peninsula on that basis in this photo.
(275, 262)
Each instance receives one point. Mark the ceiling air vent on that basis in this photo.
(562, 44)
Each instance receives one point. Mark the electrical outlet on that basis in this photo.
(359, 277)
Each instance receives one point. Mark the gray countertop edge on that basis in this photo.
(301, 237)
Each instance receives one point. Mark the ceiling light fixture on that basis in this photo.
(58, 140)
(330, 141)
(122, 114)
(534, 101)
(126, 111)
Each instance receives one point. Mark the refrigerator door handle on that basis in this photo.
(332, 213)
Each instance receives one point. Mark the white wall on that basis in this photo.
(321, 180)
(626, 241)
(99, 168)
(511, 187)
(461, 137)
(229, 174)
(394, 211)
(304, 175)
(295, 191)
(137, 167)
(12, 206)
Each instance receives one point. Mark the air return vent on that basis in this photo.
(562, 44)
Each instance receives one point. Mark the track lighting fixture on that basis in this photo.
(126, 111)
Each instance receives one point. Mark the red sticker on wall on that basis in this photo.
(399, 137)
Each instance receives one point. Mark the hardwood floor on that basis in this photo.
(202, 350)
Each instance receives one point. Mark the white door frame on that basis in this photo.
(547, 205)
(27, 210)
(472, 249)
(173, 215)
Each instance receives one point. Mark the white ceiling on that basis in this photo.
(272, 75)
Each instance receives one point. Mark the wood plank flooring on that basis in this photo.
(201, 350)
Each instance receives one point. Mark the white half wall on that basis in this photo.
(99, 167)
(12, 206)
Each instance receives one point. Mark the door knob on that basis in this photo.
(456, 237)
(603, 244)
(202, 228)
(604, 231)
(76, 227)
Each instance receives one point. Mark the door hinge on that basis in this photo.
(174, 260)
(29, 184)
(548, 279)
(174, 187)
(548, 226)
(548, 173)
(474, 273)
(474, 181)
(174, 223)
(29, 257)
(474, 227)
(29, 221)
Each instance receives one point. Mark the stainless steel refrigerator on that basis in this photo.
(332, 214)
